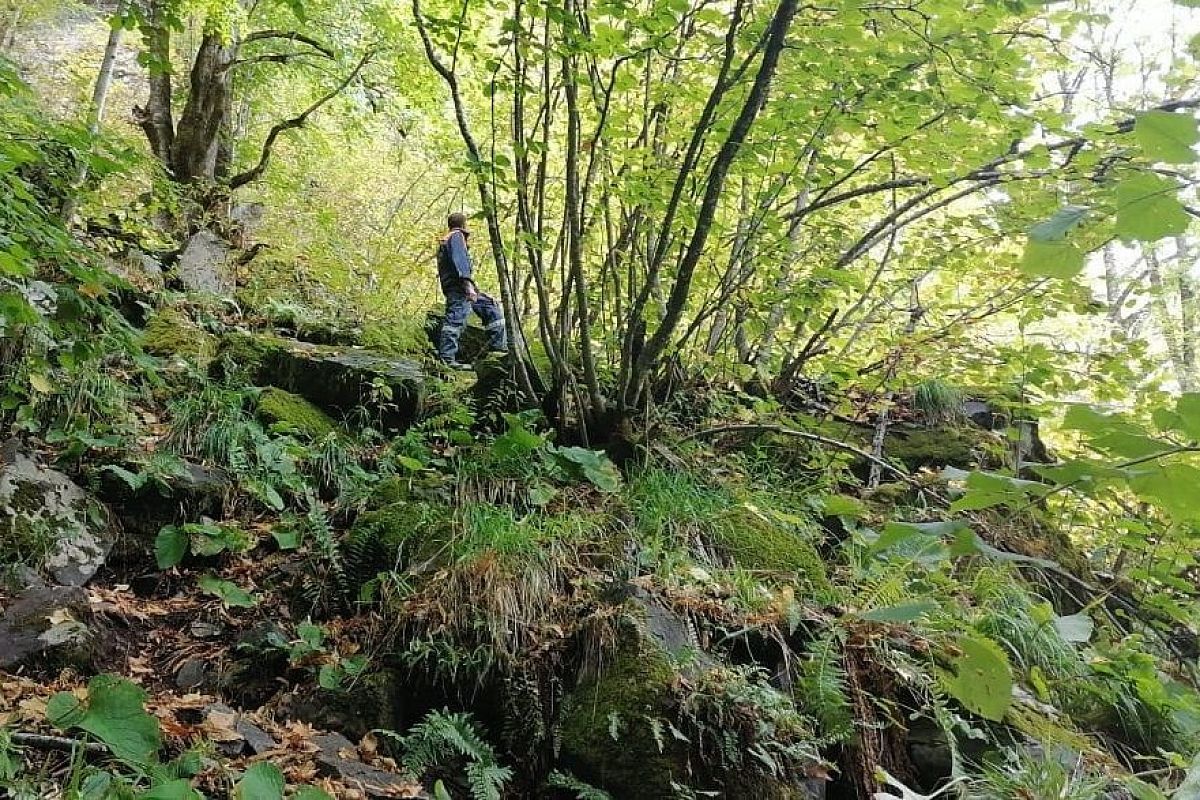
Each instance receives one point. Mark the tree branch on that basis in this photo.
(298, 121)
(811, 437)
(291, 36)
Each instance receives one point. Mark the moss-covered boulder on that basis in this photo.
(294, 414)
(399, 536)
(611, 727)
(754, 541)
(334, 378)
(936, 447)
(170, 333)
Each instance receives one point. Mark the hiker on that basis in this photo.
(454, 274)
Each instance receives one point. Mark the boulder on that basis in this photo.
(336, 379)
(293, 414)
(337, 757)
(615, 724)
(44, 515)
(171, 334)
(204, 265)
(43, 620)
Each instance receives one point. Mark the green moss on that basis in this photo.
(294, 413)
(389, 491)
(396, 537)
(755, 542)
(634, 689)
(938, 447)
(249, 353)
(171, 333)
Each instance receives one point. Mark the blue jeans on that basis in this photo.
(458, 308)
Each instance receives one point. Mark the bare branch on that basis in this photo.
(296, 122)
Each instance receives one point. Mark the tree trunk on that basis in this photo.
(194, 155)
(156, 119)
(99, 103)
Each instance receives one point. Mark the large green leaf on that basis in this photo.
(1148, 208)
(1167, 136)
(170, 546)
(1188, 409)
(114, 713)
(1058, 226)
(262, 781)
(983, 680)
(1052, 259)
(229, 593)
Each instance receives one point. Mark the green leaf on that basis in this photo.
(330, 677)
(594, 465)
(901, 612)
(1142, 790)
(1059, 259)
(1057, 227)
(983, 680)
(170, 546)
(1148, 208)
(262, 781)
(230, 594)
(180, 789)
(114, 714)
(1167, 136)
(1075, 628)
(310, 793)
(287, 539)
(541, 493)
(1188, 409)
(840, 505)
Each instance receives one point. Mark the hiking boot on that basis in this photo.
(458, 366)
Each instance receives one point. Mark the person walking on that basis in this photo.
(463, 296)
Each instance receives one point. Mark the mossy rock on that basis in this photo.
(399, 536)
(756, 543)
(934, 447)
(293, 413)
(171, 333)
(335, 379)
(626, 694)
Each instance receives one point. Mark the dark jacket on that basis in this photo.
(453, 261)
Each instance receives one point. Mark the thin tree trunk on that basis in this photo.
(99, 103)
(715, 185)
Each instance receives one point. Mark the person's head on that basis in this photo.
(457, 222)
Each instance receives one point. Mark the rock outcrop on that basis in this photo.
(336, 379)
(44, 514)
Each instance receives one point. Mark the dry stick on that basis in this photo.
(812, 437)
(43, 742)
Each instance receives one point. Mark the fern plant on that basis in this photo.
(450, 742)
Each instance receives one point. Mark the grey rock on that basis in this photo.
(41, 619)
(258, 741)
(375, 782)
(192, 674)
(39, 502)
(336, 379)
(248, 217)
(204, 265)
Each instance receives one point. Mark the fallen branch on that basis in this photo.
(44, 742)
(812, 437)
